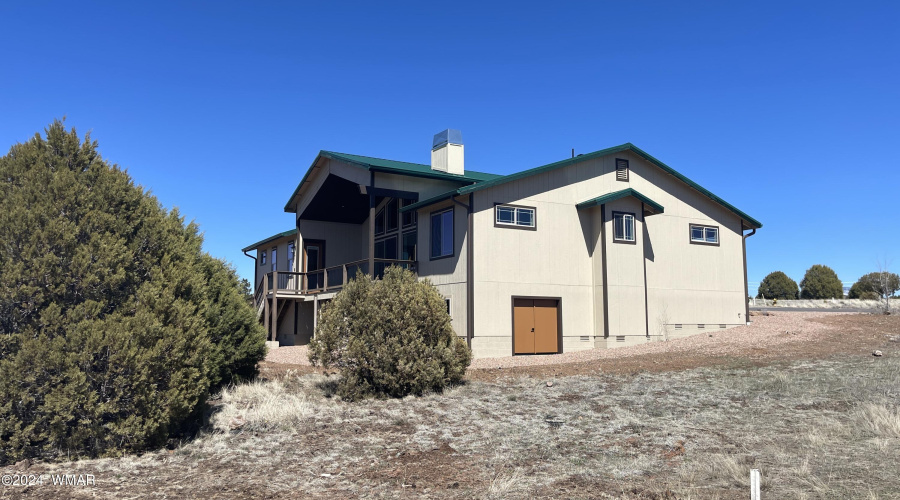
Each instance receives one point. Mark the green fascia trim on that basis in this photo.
(751, 222)
(430, 201)
(270, 238)
(621, 194)
(391, 167)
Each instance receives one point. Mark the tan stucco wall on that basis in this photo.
(691, 283)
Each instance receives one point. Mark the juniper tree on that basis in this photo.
(821, 282)
(777, 285)
(114, 325)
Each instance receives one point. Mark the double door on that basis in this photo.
(535, 326)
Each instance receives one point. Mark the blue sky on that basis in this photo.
(789, 111)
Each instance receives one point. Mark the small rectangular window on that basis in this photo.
(274, 258)
(447, 301)
(379, 222)
(262, 258)
(513, 216)
(408, 246)
(291, 256)
(408, 218)
(704, 235)
(623, 227)
(393, 215)
(621, 170)
(442, 234)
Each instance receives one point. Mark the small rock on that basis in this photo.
(454, 485)
(236, 423)
(23, 464)
(549, 384)
(877, 354)
(325, 474)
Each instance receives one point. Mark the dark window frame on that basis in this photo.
(400, 248)
(388, 212)
(262, 258)
(380, 215)
(627, 169)
(413, 215)
(633, 228)
(691, 239)
(431, 215)
(514, 225)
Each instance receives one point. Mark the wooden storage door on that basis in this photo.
(546, 323)
(523, 326)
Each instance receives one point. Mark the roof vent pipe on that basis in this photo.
(447, 152)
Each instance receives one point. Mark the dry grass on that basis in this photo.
(827, 428)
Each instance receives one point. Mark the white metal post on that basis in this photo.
(754, 484)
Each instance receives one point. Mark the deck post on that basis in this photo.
(315, 313)
(274, 320)
(344, 282)
(265, 298)
(372, 226)
(324, 279)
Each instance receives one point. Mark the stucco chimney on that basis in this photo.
(447, 152)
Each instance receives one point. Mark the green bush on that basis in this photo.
(114, 325)
(869, 286)
(778, 285)
(821, 282)
(389, 338)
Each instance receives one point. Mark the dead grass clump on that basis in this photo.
(263, 406)
(879, 420)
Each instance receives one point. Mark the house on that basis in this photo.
(605, 249)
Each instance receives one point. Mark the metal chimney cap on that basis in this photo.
(451, 136)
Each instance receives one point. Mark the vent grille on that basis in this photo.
(722, 326)
(585, 338)
(701, 326)
(620, 338)
(621, 170)
(677, 326)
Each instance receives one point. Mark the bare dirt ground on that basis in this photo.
(811, 407)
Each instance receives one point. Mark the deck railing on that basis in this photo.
(322, 280)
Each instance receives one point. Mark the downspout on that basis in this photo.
(255, 270)
(470, 274)
(746, 283)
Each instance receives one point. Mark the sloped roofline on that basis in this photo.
(270, 238)
(388, 166)
(606, 198)
(750, 221)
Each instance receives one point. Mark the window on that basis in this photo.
(442, 234)
(291, 256)
(621, 170)
(408, 218)
(623, 227)
(704, 235)
(393, 215)
(379, 222)
(447, 302)
(408, 246)
(386, 248)
(274, 253)
(514, 216)
(262, 258)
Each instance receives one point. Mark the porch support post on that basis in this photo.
(265, 298)
(371, 226)
(274, 320)
(315, 313)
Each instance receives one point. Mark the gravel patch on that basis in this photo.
(764, 332)
(292, 355)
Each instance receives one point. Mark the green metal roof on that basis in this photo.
(606, 198)
(751, 222)
(392, 167)
(270, 238)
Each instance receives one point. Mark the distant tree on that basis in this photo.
(778, 285)
(114, 325)
(821, 282)
(862, 291)
(875, 285)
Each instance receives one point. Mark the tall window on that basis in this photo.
(262, 258)
(408, 218)
(290, 256)
(513, 216)
(379, 222)
(393, 214)
(704, 235)
(274, 251)
(623, 227)
(442, 233)
(408, 246)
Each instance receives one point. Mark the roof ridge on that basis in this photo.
(401, 161)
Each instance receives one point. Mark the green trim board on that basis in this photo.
(270, 238)
(750, 221)
(390, 167)
(656, 208)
